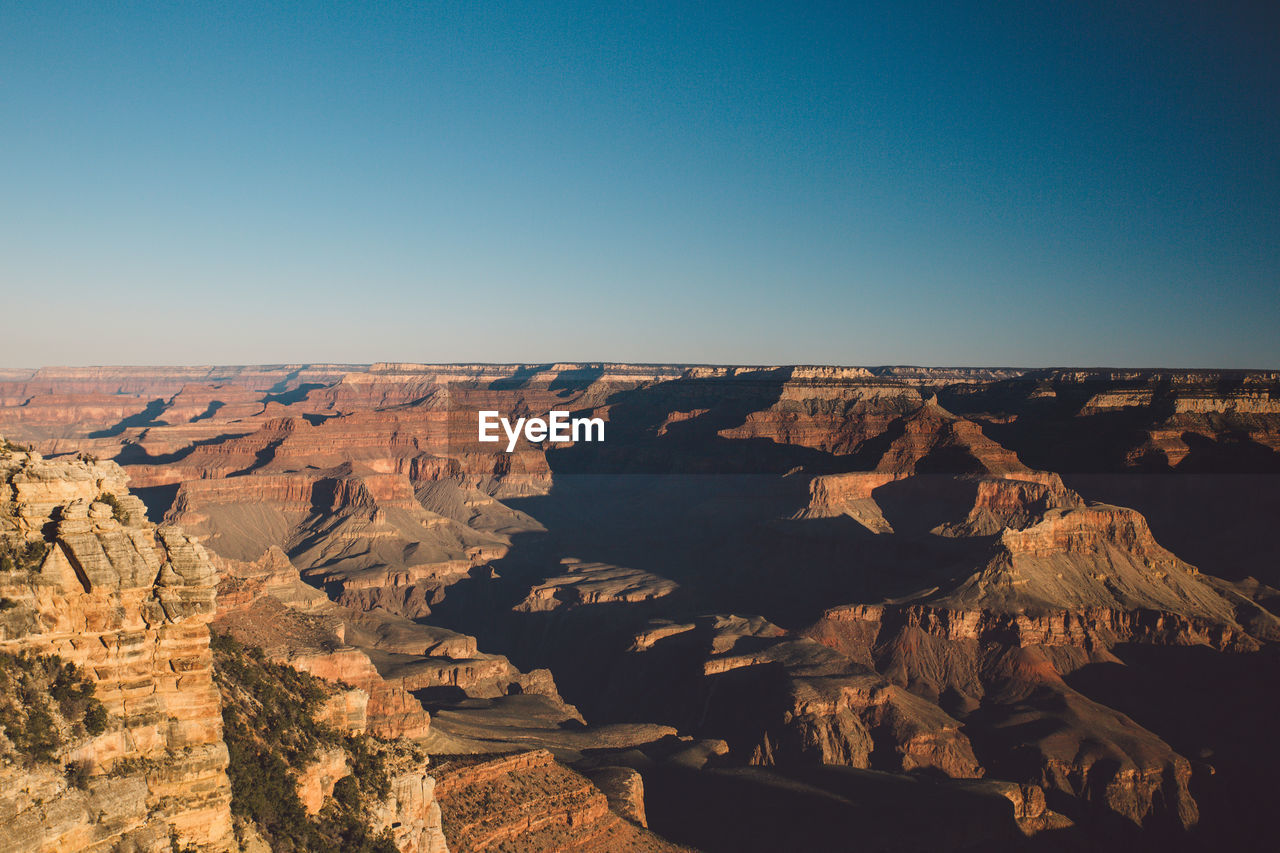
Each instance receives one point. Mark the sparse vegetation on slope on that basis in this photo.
(23, 555)
(45, 704)
(17, 552)
(270, 727)
(118, 512)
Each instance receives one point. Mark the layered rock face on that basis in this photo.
(128, 604)
(411, 811)
(1108, 420)
(595, 583)
(387, 658)
(1063, 584)
(772, 581)
(1168, 416)
(351, 531)
(782, 699)
(59, 402)
(527, 801)
(835, 414)
(1004, 696)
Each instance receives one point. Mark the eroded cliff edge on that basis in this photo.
(125, 724)
(127, 604)
(898, 581)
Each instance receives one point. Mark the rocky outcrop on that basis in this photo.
(1003, 676)
(305, 774)
(411, 812)
(781, 699)
(316, 780)
(624, 789)
(595, 583)
(1013, 502)
(388, 659)
(527, 801)
(1153, 420)
(1064, 583)
(350, 530)
(834, 411)
(834, 495)
(128, 604)
(1097, 565)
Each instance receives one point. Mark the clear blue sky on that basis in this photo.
(990, 183)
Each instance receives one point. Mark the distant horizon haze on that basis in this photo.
(547, 364)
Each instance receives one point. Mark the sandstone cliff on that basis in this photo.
(306, 775)
(128, 604)
(527, 801)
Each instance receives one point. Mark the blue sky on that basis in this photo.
(991, 183)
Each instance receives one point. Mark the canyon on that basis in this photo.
(777, 608)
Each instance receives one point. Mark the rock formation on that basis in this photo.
(128, 604)
(528, 801)
(812, 586)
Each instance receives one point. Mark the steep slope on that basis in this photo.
(305, 778)
(128, 605)
(1063, 583)
(392, 660)
(885, 592)
(361, 534)
(528, 802)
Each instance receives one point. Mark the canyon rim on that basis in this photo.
(562, 427)
(781, 607)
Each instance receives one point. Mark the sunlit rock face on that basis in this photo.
(1019, 585)
(128, 604)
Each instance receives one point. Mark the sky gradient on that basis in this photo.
(1070, 183)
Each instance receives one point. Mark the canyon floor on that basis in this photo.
(777, 608)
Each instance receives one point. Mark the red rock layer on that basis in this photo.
(528, 802)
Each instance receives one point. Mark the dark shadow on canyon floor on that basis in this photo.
(1217, 709)
(827, 808)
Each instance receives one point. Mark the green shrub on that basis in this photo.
(95, 718)
(368, 766)
(39, 738)
(118, 512)
(268, 716)
(78, 774)
(41, 698)
(128, 766)
(346, 793)
(22, 554)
